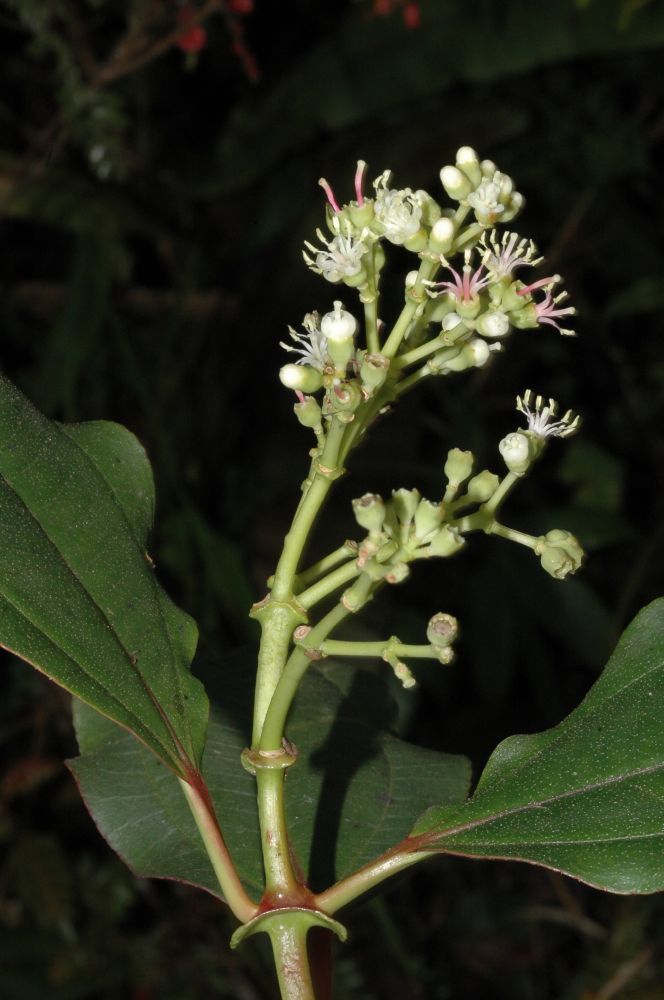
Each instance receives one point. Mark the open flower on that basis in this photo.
(502, 258)
(541, 417)
(340, 257)
(398, 212)
(466, 285)
(311, 345)
(548, 310)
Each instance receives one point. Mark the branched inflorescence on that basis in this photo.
(461, 303)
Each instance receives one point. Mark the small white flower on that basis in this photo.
(338, 326)
(399, 212)
(502, 258)
(541, 417)
(485, 200)
(493, 323)
(340, 257)
(312, 345)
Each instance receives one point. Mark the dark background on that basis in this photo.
(153, 207)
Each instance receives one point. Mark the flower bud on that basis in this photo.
(403, 674)
(468, 161)
(482, 486)
(442, 630)
(493, 323)
(369, 512)
(301, 378)
(428, 517)
(308, 412)
(515, 449)
(446, 542)
(458, 467)
(339, 328)
(343, 398)
(397, 573)
(455, 182)
(405, 503)
(560, 553)
(474, 354)
(441, 238)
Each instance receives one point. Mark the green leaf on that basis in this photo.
(586, 797)
(78, 596)
(352, 794)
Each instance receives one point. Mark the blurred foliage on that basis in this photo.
(153, 208)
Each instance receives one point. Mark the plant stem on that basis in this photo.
(279, 874)
(426, 272)
(361, 881)
(341, 647)
(346, 551)
(231, 887)
(371, 326)
(291, 958)
(329, 583)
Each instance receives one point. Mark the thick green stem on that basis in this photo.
(279, 875)
(417, 295)
(289, 947)
(206, 821)
(371, 326)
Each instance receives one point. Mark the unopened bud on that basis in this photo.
(301, 378)
(403, 674)
(515, 449)
(428, 517)
(442, 235)
(339, 328)
(442, 630)
(458, 467)
(493, 323)
(560, 553)
(482, 486)
(468, 161)
(455, 183)
(405, 503)
(446, 542)
(369, 512)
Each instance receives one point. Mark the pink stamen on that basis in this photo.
(300, 396)
(329, 194)
(360, 174)
(542, 283)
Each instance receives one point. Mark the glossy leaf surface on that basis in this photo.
(586, 797)
(353, 792)
(78, 595)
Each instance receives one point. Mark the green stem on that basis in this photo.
(341, 647)
(337, 578)
(506, 486)
(206, 821)
(512, 534)
(279, 874)
(361, 881)
(415, 297)
(371, 325)
(294, 671)
(289, 947)
(417, 353)
(346, 551)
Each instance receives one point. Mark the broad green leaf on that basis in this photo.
(587, 797)
(78, 596)
(353, 792)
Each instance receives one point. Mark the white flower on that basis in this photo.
(515, 449)
(541, 418)
(485, 200)
(312, 345)
(493, 323)
(399, 212)
(340, 257)
(338, 326)
(502, 258)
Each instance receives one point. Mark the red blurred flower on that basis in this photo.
(412, 17)
(194, 38)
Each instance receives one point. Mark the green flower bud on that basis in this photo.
(468, 162)
(369, 512)
(373, 372)
(474, 354)
(405, 503)
(397, 573)
(458, 467)
(442, 630)
(308, 412)
(516, 452)
(455, 182)
(428, 518)
(301, 378)
(418, 242)
(441, 238)
(560, 553)
(446, 542)
(482, 486)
